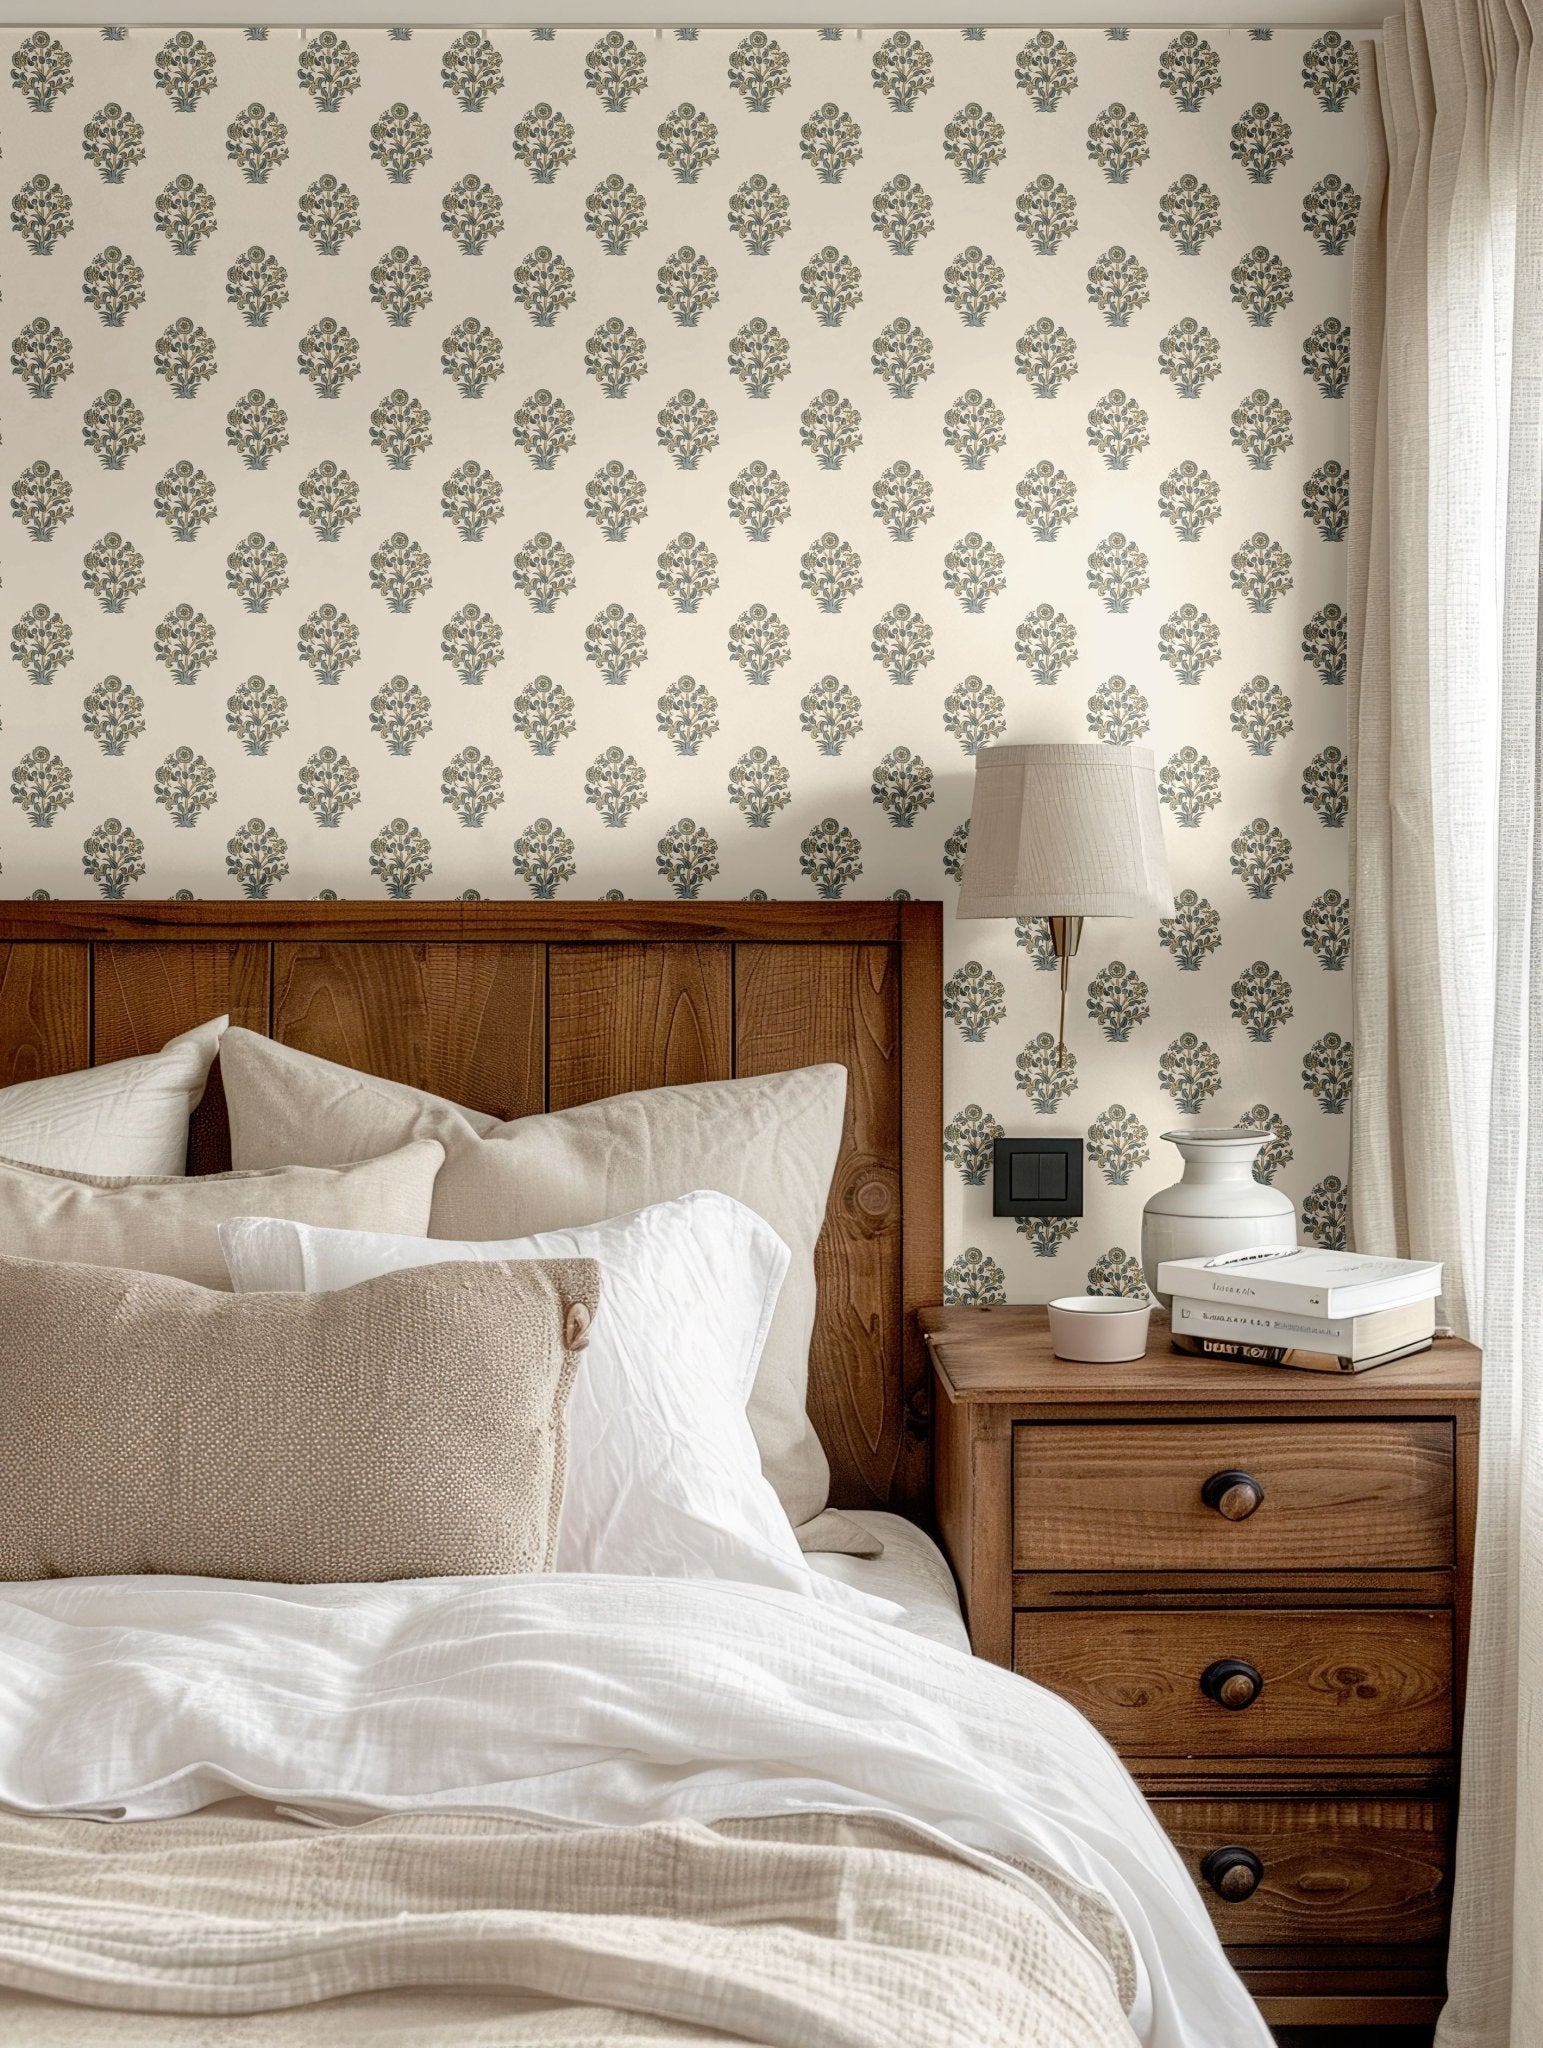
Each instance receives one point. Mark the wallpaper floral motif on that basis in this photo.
(580, 463)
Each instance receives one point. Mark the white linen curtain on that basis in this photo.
(1447, 855)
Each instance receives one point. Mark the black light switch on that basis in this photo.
(1036, 1177)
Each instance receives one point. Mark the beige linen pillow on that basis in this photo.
(409, 1427)
(770, 1142)
(130, 1116)
(172, 1226)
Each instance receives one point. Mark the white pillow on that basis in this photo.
(128, 1119)
(664, 1478)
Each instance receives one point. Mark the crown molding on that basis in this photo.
(1357, 15)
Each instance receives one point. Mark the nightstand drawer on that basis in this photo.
(1329, 1682)
(1322, 1870)
(1354, 1495)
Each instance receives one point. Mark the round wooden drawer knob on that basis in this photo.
(1231, 1683)
(1234, 1495)
(1232, 1873)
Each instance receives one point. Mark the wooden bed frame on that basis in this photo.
(515, 1008)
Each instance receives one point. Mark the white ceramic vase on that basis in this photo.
(1217, 1206)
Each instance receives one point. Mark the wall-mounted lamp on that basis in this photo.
(1064, 833)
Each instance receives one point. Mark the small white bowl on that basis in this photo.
(1099, 1329)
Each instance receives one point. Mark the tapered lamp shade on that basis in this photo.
(1065, 831)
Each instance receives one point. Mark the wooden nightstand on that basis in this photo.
(1255, 1582)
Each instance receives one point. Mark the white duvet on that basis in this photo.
(587, 1701)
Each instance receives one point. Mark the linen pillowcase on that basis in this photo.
(128, 1117)
(770, 1142)
(664, 1478)
(412, 1427)
(171, 1226)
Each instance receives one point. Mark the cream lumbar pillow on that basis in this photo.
(770, 1142)
(172, 1226)
(410, 1427)
(130, 1116)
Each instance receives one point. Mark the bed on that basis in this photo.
(571, 1807)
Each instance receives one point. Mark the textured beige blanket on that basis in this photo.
(812, 1931)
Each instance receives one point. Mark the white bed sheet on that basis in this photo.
(912, 1572)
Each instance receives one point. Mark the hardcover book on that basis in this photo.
(1352, 1337)
(1294, 1355)
(1302, 1281)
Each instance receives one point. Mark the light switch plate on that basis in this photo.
(1036, 1177)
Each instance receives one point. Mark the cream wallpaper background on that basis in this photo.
(652, 463)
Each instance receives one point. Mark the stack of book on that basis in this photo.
(1316, 1310)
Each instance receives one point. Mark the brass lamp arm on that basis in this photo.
(1065, 937)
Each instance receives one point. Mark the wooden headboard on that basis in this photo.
(514, 1008)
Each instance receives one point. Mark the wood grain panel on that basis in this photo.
(797, 1007)
(624, 1017)
(972, 1480)
(1337, 1681)
(45, 1009)
(1335, 1870)
(461, 1020)
(1108, 1496)
(921, 1158)
(1376, 1998)
(496, 921)
(144, 994)
(1003, 1353)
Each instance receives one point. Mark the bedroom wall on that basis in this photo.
(418, 492)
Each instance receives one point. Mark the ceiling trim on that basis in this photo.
(1361, 16)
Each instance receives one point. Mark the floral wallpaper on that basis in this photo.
(645, 463)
